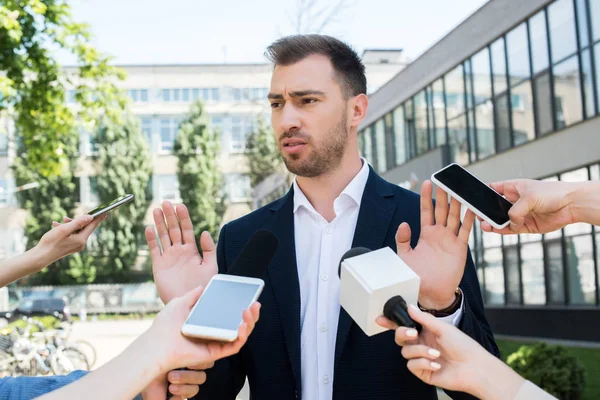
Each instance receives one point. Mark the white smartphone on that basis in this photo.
(484, 201)
(217, 315)
(111, 205)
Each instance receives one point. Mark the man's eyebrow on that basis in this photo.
(298, 93)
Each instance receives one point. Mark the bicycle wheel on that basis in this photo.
(67, 360)
(87, 348)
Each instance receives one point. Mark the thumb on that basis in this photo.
(519, 211)
(209, 250)
(191, 297)
(427, 320)
(403, 239)
(77, 224)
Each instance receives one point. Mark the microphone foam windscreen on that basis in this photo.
(356, 251)
(256, 255)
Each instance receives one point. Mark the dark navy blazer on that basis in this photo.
(365, 367)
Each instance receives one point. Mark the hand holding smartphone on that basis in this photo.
(484, 201)
(217, 315)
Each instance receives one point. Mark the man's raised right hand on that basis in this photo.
(179, 267)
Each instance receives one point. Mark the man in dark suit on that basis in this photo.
(306, 346)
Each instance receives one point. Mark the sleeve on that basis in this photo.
(530, 391)
(30, 387)
(225, 380)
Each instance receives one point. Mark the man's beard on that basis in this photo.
(321, 160)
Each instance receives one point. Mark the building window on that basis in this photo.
(512, 273)
(380, 145)
(166, 95)
(166, 188)
(561, 21)
(4, 196)
(567, 94)
(238, 188)
(539, 42)
(146, 123)
(459, 147)
(389, 141)
(400, 136)
(532, 269)
(439, 110)
(168, 131)
(522, 113)
(420, 121)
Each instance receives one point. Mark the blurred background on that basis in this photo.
(101, 98)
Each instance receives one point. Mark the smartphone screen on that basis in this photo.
(476, 193)
(222, 304)
(110, 205)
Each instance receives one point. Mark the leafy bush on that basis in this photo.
(551, 368)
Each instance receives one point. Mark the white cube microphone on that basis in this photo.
(377, 282)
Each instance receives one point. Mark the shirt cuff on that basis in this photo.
(455, 318)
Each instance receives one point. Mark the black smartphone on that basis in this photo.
(484, 201)
(106, 207)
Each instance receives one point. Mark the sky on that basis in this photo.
(237, 31)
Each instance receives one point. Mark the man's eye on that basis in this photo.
(309, 101)
(275, 105)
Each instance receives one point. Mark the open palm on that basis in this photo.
(178, 268)
(441, 252)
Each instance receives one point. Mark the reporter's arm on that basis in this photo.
(60, 241)
(459, 363)
(160, 349)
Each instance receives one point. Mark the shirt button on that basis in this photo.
(324, 277)
(325, 379)
(328, 230)
(323, 328)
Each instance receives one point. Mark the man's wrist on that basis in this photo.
(446, 307)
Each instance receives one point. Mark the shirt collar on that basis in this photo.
(354, 190)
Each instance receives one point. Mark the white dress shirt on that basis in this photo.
(319, 247)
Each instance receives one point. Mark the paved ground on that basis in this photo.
(112, 337)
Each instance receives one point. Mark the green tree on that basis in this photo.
(262, 153)
(32, 94)
(200, 179)
(125, 162)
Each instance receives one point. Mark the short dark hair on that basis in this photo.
(348, 67)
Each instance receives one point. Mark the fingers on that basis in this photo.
(172, 223)
(152, 243)
(486, 227)
(427, 320)
(185, 221)
(203, 366)
(404, 336)
(87, 231)
(161, 228)
(467, 225)
(386, 323)
(426, 204)
(441, 207)
(67, 219)
(403, 239)
(255, 311)
(77, 224)
(419, 351)
(184, 391)
(186, 377)
(420, 365)
(454, 216)
(209, 250)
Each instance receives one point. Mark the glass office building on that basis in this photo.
(514, 91)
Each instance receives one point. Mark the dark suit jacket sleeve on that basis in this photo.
(473, 321)
(225, 380)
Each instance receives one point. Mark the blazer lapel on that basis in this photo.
(374, 217)
(283, 273)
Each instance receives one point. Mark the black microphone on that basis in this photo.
(256, 255)
(253, 260)
(395, 309)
